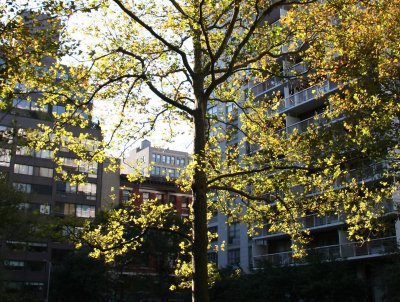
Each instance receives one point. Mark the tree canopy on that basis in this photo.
(193, 55)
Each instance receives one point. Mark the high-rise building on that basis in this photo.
(299, 107)
(153, 161)
(26, 262)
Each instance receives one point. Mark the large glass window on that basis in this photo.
(14, 265)
(6, 134)
(234, 257)
(45, 172)
(85, 211)
(125, 195)
(68, 209)
(5, 157)
(23, 169)
(27, 188)
(146, 196)
(89, 189)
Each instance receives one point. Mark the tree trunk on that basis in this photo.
(199, 225)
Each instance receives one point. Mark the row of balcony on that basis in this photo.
(309, 222)
(307, 95)
(351, 250)
(274, 82)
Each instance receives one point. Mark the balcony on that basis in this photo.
(351, 250)
(373, 248)
(312, 221)
(271, 83)
(364, 173)
(325, 253)
(297, 69)
(303, 125)
(308, 94)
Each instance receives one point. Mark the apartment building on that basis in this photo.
(26, 261)
(152, 266)
(153, 161)
(300, 107)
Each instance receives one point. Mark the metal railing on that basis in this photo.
(265, 86)
(324, 253)
(303, 125)
(375, 247)
(309, 222)
(309, 94)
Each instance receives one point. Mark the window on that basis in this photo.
(172, 160)
(163, 171)
(69, 162)
(5, 157)
(89, 167)
(155, 170)
(168, 160)
(160, 198)
(89, 189)
(171, 172)
(158, 158)
(58, 109)
(44, 154)
(146, 196)
(29, 105)
(24, 151)
(153, 157)
(68, 209)
(44, 209)
(233, 233)
(125, 195)
(45, 172)
(36, 247)
(27, 188)
(163, 158)
(23, 169)
(234, 257)
(212, 112)
(85, 211)
(172, 199)
(36, 106)
(6, 134)
(185, 202)
(14, 265)
(65, 187)
(42, 189)
(21, 104)
(182, 162)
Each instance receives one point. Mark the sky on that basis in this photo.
(102, 110)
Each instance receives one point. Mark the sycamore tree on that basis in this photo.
(193, 55)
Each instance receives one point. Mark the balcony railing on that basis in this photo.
(309, 222)
(364, 173)
(303, 125)
(297, 69)
(309, 94)
(263, 87)
(373, 248)
(325, 253)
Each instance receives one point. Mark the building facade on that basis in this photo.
(153, 161)
(300, 107)
(26, 261)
